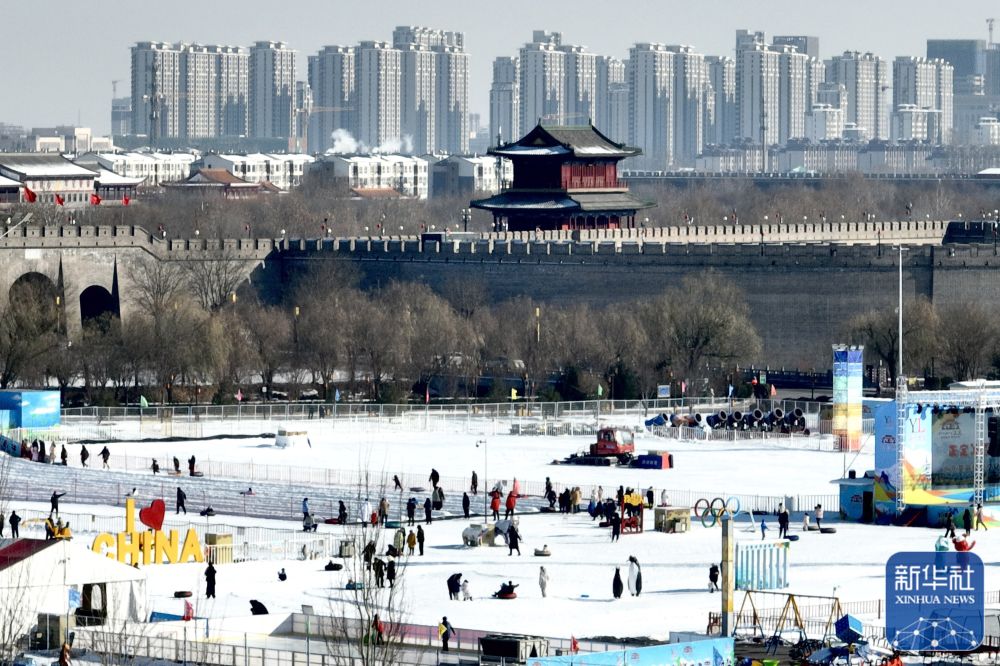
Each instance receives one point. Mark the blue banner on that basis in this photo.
(711, 652)
(934, 601)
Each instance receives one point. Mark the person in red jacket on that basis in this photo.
(511, 503)
(495, 505)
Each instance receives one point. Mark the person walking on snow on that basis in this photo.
(474, 486)
(84, 455)
(396, 483)
(14, 521)
(105, 456)
(411, 511)
(713, 578)
(210, 581)
(819, 516)
(427, 511)
(181, 497)
(305, 507)
(390, 572)
(466, 594)
(420, 539)
(967, 520)
(513, 540)
(495, 505)
(763, 529)
(445, 632)
(543, 580)
(465, 504)
(510, 505)
(979, 517)
(434, 478)
(782, 521)
(63, 456)
(634, 576)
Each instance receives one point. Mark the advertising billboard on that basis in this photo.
(709, 652)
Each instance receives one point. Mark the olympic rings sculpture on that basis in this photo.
(710, 512)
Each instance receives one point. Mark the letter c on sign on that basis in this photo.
(102, 542)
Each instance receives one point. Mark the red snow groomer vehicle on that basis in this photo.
(612, 444)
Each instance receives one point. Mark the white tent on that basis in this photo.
(36, 576)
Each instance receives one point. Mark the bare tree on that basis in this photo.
(214, 281)
(16, 613)
(366, 623)
(269, 331)
(878, 331)
(157, 286)
(967, 336)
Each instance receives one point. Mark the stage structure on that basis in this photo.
(848, 377)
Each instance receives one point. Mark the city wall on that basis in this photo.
(803, 282)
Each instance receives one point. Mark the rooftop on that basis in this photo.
(579, 140)
(42, 165)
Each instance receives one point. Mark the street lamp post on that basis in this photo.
(486, 459)
(466, 218)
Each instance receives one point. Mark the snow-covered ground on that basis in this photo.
(674, 566)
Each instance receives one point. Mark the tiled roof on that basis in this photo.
(42, 165)
(581, 140)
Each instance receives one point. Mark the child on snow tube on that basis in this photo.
(506, 591)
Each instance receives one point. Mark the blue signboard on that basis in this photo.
(710, 652)
(934, 601)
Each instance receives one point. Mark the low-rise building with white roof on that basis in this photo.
(408, 175)
(284, 171)
(47, 175)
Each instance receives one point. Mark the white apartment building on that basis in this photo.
(154, 168)
(824, 122)
(611, 99)
(987, 132)
(282, 171)
(48, 175)
(720, 124)
(793, 90)
(865, 78)
(465, 176)
(505, 115)
(651, 113)
(417, 94)
(405, 174)
(272, 90)
(542, 81)
(379, 68)
(332, 78)
(451, 104)
(689, 89)
(925, 84)
(156, 90)
(758, 86)
(913, 123)
(581, 85)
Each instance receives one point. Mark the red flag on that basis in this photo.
(188, 611)
(29, 195)
(126, 200)
(60, 201)
(95, 200)
(574, 646)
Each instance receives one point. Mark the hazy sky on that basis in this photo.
(59, 56)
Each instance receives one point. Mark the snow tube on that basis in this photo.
(828, 530)
(792, 537)
(197, 474)
(813, 528)
(332, 521)
(182, 594)
(418, 489)
(541, 552)
(509, 595)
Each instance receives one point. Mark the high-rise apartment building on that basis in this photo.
(156, 90)
(331, 78)
(793, 90)
(967, 57)
(650, 75)
(720, 127)
(417, 95)
(802, 43)
(610, 79)
(542, 84)
(865, 78)
(121, 116)
(272, 90)
(377, 86)
(688, 100)
(199, 103)
(924, 84)
(581, 85)
(233, 90)
(427, 37)
(758, 84)
(505, 114)
(451, 102)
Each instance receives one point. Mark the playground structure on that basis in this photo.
(762, 566)
(754, 620)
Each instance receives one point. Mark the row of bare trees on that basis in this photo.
(188, 336)
(316, 208)
(957, 341)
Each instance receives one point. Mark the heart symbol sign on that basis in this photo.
(152, 515)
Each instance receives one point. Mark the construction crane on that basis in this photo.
(989, 24)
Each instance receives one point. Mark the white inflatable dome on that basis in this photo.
(288, 438)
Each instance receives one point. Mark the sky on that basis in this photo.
(60, 56)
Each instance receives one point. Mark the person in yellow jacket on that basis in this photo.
(411, 541)
(445, 632)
